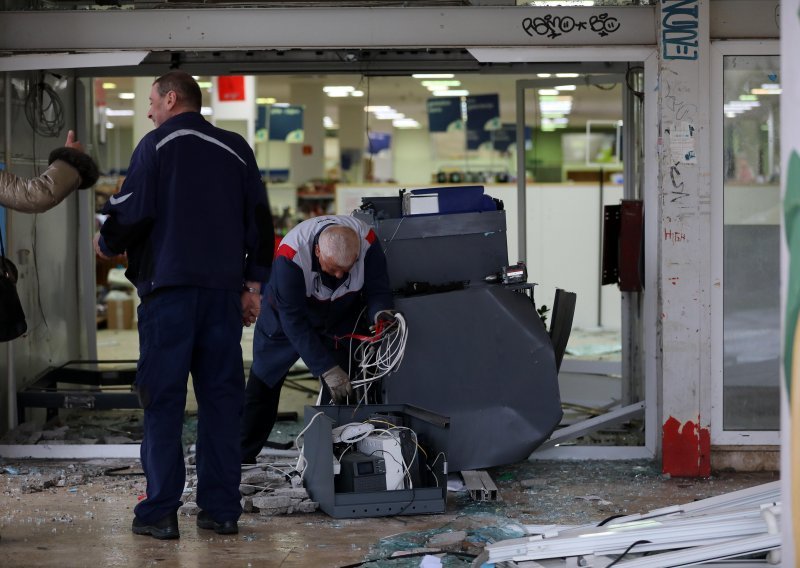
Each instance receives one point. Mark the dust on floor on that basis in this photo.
(79, 513)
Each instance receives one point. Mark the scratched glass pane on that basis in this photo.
(751, 190)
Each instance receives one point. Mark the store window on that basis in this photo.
(751, 233)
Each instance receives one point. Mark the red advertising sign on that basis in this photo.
(231, 88)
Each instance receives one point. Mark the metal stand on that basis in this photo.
(106, 385)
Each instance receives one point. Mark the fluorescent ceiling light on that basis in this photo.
(127, 96)
(555, 106)
(393, 115)
(204, 84)
(327, 122)
(338, 94)
(767, 89)
(433, 75)
(430, 84)
(109, 85)
(113, 112)
(730, 114)
(266, 100)
(405, 123)
(109, 125)
(454, 93)
(742, 104)
(548, 92)
(566, 88)
(338, 88)
(206, 111)
(748, 98)
(378, 108)
(566, 75)
(544, 75)
(357, 94)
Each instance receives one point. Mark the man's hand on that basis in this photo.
(71, 142)
(386, 318)
(98, 251)
(339, 384)
(251, 303)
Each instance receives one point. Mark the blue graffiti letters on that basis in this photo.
(679, 24)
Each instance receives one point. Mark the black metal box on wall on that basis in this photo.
(432, 431)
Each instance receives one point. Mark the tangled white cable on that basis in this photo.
(377, 358)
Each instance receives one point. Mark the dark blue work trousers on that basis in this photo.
(197, 330)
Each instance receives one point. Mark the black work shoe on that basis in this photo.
(204, 521)
(164, 528)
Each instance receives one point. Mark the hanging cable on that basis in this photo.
(44, 109)
(378, 355)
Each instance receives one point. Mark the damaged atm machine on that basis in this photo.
(478, 381)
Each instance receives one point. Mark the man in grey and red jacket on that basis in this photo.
(327, 271)
(194, 219)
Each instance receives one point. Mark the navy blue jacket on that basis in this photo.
(192, 211)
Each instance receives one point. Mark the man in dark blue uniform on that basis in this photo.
(327, 271)
(194, 220)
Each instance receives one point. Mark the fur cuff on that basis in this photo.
(81, 161)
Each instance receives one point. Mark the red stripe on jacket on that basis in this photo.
(286, 250)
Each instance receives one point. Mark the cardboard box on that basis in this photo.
(120, 314)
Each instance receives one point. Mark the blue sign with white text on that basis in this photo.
(483, 117)
(286, 123)
(444, 114)
(506, 136)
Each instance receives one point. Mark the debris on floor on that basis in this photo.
(92, 519)
(741, 523)
(480, 486)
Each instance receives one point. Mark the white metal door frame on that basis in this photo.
(648, 56)
(719, 436)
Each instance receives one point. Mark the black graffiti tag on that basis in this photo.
(551, 26)
(554, 26)
(603, 25)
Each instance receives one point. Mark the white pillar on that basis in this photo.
(790, 180)
(141, 124)
(236, 115)
(307, 160)
(684, 237)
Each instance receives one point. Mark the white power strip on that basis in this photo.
(386, 446)
(351, 432)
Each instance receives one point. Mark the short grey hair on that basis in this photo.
(340, 245)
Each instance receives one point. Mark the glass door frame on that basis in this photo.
(647, 57)
(720, 436)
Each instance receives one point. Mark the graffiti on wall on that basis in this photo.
(679, 29)
(553, 26)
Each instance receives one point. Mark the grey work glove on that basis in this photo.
(386, 317)
(339, 384)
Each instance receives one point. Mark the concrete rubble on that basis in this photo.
(265, 490)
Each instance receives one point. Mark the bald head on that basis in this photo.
(337, 249)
